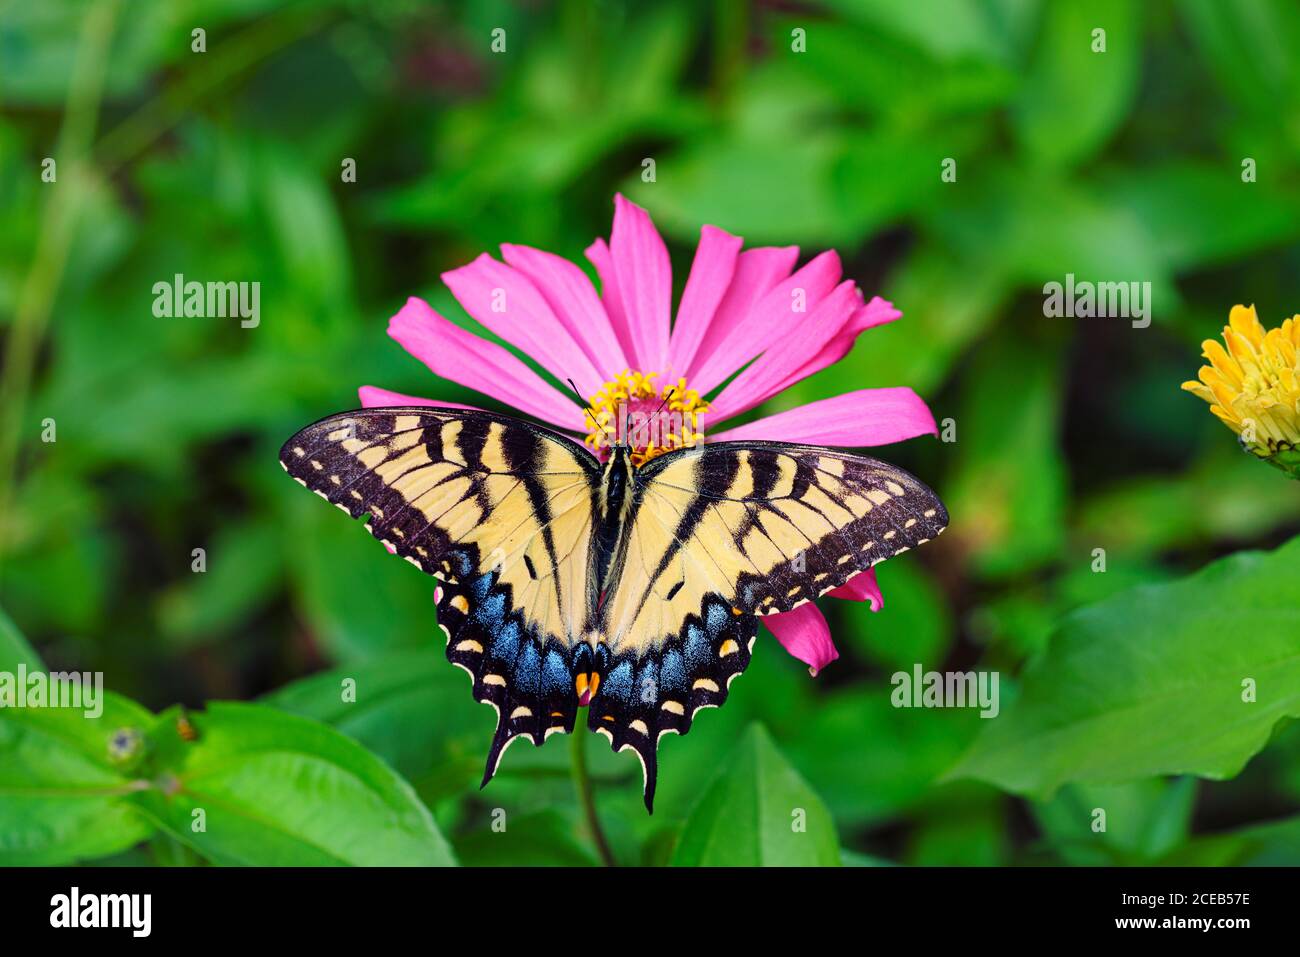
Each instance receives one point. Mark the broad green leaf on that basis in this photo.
(1154, 681)
(549, 838)
(63, 796)
(1074, 97)
(276, 789)
(15, 649)
(758, 812)
(413, 709)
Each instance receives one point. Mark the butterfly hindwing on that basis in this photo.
(720, 535)
(501, 513)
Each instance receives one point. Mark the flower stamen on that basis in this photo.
(633, 410)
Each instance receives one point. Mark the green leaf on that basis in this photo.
(278, 790)
(868, 759)
(1073, 98)
(758, 812)
(361, 600)
(1150, 682)
(413, 709)
(63, 798)
(914, 624)
(1276, 844)
(547, 838)
(1229, 219)
(1143, 820)
(15, 648)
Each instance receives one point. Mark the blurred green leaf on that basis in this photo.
(913, 626)
(548, 838)
(1075, 96)
(15, 649)
(1007, 496)
(244, 567)
(1228, 220)
(869, 759)
(1151, 682)
(276, 789)
(361, 600)
(1276, 844)
(1247, 46)
(1095, 824)
(758, 812)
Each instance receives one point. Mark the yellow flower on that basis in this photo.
(1254, 384)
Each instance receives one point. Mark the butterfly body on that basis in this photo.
(634, 591)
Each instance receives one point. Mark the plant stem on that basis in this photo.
(58, 228)
(587, 796)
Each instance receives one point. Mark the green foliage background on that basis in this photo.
(1121, 690)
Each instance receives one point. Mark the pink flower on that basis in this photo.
(745, 310)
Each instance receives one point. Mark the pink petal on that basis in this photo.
(710, 277)
(769, 321)
(861, 587)
(805, 634)
(875, 313)
(459, 355)
(573, 299)
(757, 272)
(799, 346)
(503, 300)
(373, 397)
(852, 420)
(644, 278)
(599, 256)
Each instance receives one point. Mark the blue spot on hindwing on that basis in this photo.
(618, 683)
(505, 644)
(479, 586)
(696, 647)
(555, 675)
(715, 617)
(672, 674)
(528, 669)
(491, 610)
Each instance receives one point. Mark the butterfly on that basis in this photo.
(634, 591)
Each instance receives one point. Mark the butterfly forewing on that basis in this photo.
(501, 513)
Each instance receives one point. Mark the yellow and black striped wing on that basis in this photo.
(500, 512)
(719, 536)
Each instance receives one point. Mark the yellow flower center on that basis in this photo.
(633, 410)
(1254, 384)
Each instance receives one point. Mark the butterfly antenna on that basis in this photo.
(585, 407)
